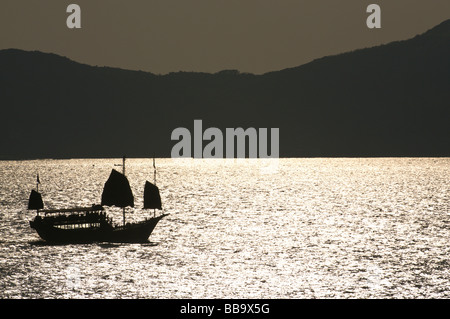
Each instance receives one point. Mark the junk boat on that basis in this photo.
(92, 224)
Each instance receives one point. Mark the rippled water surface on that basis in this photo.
(296, 228)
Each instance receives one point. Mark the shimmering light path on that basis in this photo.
(299, 228)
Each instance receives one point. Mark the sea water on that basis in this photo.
(292, 228)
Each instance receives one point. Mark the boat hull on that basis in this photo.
(135, 232)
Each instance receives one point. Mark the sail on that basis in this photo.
(152, 199)
(117, 191)
(35, 201)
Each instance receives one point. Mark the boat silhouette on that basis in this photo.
(92, 224)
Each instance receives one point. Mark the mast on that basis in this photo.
(37, 191)
(154, 171)
(154, 181)
(35, 199)
(117, 191)
(123, 170)
(152, 198)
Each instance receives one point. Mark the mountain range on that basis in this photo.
(388, 100)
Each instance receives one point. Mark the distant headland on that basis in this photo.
(389, 100)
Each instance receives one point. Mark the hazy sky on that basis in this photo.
(257, 36)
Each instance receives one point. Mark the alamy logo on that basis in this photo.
(73, 278)
(235, 142)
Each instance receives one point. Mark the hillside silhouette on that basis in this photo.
(389, 100)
